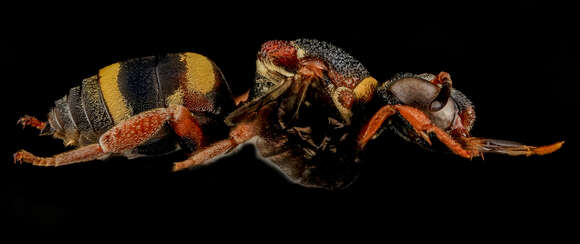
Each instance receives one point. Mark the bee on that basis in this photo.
(310, 112)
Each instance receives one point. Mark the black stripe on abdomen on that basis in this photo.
(137, 81)
(79, 118)
(94, 106)
(171, 73)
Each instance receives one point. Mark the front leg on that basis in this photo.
(422, 125)
(462, 145)
(486, 145)
(125, 136)
(420, 122)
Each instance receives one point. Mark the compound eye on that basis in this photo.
(428, 97)
(414, 92)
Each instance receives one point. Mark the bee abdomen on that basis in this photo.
(60, 119)
(130, 87)
(138, 82)
(127, 88)
(80, 117)
(94, 107)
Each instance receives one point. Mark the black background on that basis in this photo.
(515, 62)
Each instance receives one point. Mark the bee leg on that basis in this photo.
(485, 145)
(239, 134)
(124, 136)
(420, 123)
(374, 124)
(27, 120)
(82, 154)
(186, 126)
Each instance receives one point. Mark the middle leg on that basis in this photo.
(239, 134)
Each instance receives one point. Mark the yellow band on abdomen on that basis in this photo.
(200, 73)
(114, 100)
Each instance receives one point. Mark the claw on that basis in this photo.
(17, 156)
(23, 156)
(485, 145)
(28, 120)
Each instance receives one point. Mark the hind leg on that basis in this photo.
(82, 154)
(124, 137)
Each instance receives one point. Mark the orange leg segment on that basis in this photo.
(485, 145)
(420, 123)
(27, 120)
(82, 154)
(124, 136)
(186, 126)
(462, 145)
(239, 134)
(374, 124)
